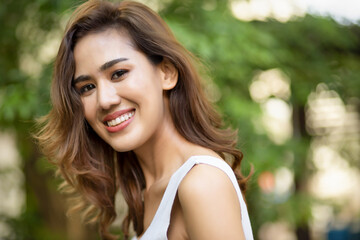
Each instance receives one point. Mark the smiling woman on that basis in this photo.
(129, 114)
(124, 85)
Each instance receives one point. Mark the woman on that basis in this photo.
(129, 113)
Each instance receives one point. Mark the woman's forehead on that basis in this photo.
(109, 44)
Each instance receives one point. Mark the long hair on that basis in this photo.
(90, 166)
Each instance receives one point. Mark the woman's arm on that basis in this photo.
(210, 205)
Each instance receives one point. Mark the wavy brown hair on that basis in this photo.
(90, 166)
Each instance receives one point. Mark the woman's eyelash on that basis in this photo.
(118, 74)
(86, 88)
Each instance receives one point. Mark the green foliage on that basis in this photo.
(309, 50)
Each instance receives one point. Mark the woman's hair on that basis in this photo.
(88, 164)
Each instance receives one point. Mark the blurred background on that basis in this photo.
(286, 73)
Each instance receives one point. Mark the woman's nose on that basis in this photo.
(107, 95)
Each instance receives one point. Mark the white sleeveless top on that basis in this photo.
(159, 226)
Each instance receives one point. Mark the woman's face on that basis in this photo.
(121, 90)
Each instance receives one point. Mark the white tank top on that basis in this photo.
(160, 223)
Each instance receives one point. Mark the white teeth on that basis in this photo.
(120, 119)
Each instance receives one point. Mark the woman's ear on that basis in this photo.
(170, 74)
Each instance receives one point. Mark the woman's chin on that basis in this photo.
(123, 147)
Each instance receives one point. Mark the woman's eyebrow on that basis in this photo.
(102, 68)
(80, 78)
(111, 63)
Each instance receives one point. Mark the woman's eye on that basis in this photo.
(118, 74)
(86, 88)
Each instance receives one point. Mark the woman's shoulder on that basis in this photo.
(209, 200)
(206, 177)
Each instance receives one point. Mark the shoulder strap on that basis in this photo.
(160, 223)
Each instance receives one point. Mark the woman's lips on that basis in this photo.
(119, 120)
(117, 114)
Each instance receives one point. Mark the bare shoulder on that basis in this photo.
(204, 179)
(210, 204)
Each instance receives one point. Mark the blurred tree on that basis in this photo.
(30, 29)
(308, 50)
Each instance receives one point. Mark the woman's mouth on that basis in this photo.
(120, 119)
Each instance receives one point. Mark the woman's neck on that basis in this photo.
(165, 152)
